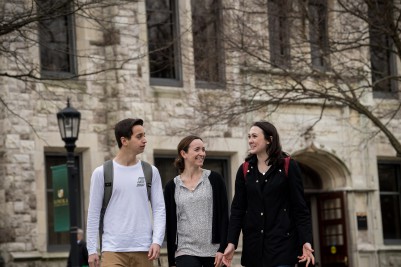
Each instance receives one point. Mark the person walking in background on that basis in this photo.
(129, 237)
(82, 250)
(269, 206)
(196, 210)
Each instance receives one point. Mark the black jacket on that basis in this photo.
(219, 221)
(82, 255)
(275, 221)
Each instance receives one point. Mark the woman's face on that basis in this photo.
(196, 153)
(256, 140)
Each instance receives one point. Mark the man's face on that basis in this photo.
(137, 142)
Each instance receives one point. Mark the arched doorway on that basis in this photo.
(325, 178)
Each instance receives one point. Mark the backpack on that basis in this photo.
(108, 189)
(286, 166)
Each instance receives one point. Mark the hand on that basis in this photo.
(228, 254)
(154, 251)
(218, 259)
(307, 254)
(93, 260)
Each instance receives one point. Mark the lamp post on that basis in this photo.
(68, 122)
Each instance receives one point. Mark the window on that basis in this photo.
(381, 56)
(220, 165)
(206, 30)
(390, 200)
(59, 241)
(56, 35)
(318, 33)
(165, 165)
(279, 33)
(163, 42)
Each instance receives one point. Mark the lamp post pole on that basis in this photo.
(73, 200)
(68, 121)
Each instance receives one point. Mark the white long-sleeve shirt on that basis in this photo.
(128, 220)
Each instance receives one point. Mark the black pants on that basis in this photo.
(194, 261)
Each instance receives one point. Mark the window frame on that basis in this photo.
(396, 162)
(225, 161)
(378, 38)
(176, 43)
(279, 33)
(319, 48)
(219, 48)
(71, 40)
(62, 158)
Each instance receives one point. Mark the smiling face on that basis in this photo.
(256, 140)
(195, 155)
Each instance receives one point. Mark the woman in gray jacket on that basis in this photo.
(196, 210)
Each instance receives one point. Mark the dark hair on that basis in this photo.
(273, 149)
(124, 129)
(183, 145)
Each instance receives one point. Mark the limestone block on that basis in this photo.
(2, 196)
(21, 158)
(26, 218)
(41, 122)
(19, 207)
(16, 246)
(12, 141)
(27, 146)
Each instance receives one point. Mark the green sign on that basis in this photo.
(60, 198)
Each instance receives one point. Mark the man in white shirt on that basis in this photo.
(130, 237)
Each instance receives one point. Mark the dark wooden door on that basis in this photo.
(332, 229)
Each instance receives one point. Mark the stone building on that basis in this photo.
(203, 67)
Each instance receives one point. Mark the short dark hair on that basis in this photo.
(183, 145)
(124, 129)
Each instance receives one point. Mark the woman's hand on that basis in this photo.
(228, 254)
(218, 259)
(307, 254)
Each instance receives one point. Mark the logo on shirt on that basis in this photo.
(141, 182)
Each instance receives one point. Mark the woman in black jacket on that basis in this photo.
(196, 210)
(269, 206)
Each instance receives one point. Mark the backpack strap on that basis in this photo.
(147, 171)
(108, 189)
(245, 168)
(286, 165)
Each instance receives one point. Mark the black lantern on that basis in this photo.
(68, 122)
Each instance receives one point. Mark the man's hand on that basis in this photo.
(93, 260)
(154, 251)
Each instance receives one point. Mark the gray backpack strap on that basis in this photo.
(108, 189)
(147, 171)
